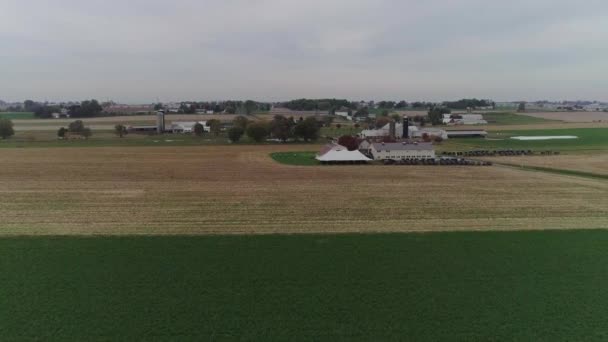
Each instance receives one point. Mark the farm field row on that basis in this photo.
(515, 286)
(241, 190)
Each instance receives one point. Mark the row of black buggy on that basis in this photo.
(490, 153)
(438, 161)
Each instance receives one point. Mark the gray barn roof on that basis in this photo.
(421, 146)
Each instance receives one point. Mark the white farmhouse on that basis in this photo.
(402, 150)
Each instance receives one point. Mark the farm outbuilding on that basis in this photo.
(334, 153)
(187, 126)
(402, 150)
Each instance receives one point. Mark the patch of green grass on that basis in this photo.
(509, 118)
(295, 158)
(17, 115)
(525, 286)
(588, 139)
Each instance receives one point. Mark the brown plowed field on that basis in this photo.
(239, 189)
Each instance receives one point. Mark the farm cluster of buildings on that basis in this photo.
(404, 146)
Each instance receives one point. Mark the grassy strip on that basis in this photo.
(526, 286)
(557, 171)
(295, 158)
(17, 115)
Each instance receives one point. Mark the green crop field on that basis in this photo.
(526, 286)
(509, 118)
(588, 139)
(295, 158)
(17, 115)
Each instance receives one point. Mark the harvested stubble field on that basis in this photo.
(595, 163)
(240, 189)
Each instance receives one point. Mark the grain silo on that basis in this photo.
(406, 127)
(160, 122)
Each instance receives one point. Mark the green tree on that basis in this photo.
(435, 114)
(235, 133)
(86, 109)
(281, 128)
(258, 131)
(86, 133)
(215, 126)
(76, 126)
(241, 122)
(307, 129)
(61, 132)
(120, 130)
(522, 107)
(250, 107)
(199, 129)
(6, 128)
(28, 105)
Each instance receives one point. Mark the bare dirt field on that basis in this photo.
(596, 163)
(239, 189)
(571, 116)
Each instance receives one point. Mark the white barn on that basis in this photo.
(402, 150)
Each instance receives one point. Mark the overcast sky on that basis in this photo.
(138, 51)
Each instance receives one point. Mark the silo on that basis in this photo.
(392, 129)
(160, 122)
(406, 127)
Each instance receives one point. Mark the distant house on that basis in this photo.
(334, 153)
(344, 115)
(187, 126)
(60, 115)
(402, 150)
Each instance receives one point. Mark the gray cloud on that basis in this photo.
(137, 51)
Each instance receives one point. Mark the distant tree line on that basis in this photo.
(324, 105)
(280, 128)
(86, 109)
(468, 103)
(247, 107)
